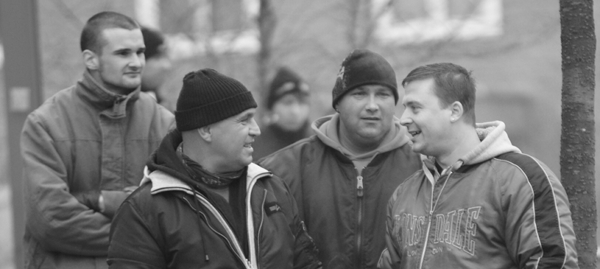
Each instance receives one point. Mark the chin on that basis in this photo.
(374, 135)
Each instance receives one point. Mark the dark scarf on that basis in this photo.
(233, 212)
(197, 172)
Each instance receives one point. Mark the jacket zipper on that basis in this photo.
(233, 249)
(262, 218)
(430, 217)
(359, 193)
(235, 245)
(252, 262)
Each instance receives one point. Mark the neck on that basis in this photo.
(357, 147)
(462, 143)
(194, 152)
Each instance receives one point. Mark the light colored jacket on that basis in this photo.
(495, 208)
(83, 139)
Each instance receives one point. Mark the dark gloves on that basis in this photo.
(305, 252)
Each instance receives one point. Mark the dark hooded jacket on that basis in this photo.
(173, 221)
(342, 204)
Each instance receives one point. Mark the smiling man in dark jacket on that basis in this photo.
(203, 203)
(343, 176)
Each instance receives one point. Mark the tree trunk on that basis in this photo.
(577, 136)
(266, 26)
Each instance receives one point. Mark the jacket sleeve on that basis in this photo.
(390, 256)
(286, 164)
(539, 229)
(132, 244)
(305, 249)
(55, 218)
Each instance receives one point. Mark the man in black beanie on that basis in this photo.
(202, 202)
(343, 176)
(286, 120)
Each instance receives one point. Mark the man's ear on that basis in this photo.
(205, 133)
(456, 111)
(90, 59)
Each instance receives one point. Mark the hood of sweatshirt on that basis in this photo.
(327, 130)
(494, 141)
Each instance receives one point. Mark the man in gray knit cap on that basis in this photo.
(343, 176)
(202, 202)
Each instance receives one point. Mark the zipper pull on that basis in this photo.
(359, 186)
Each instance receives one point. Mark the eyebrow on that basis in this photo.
(142, 49)
(245, 115)
(410, 103)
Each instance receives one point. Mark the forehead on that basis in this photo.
(246, 113)
(235, 118)
(419, 91)
(372, 87)
(120, 38)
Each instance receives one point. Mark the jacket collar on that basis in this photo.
(162, 182)
(113, 105)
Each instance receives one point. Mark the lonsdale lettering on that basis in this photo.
(457, 228)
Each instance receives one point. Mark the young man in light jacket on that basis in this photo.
(478, 202)
(84, 148)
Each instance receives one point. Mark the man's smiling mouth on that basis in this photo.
(414, 133)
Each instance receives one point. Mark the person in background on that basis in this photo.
(477, 202)
(287, 116)
(158, 63)
(203, 203)
(84, 148)
(343, 176)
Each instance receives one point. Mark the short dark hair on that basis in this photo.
(90, 36)
(452, 83)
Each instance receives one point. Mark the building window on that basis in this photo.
(218, 27)
(416, 21)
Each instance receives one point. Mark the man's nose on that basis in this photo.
(254, 129)
(372, 103)
(405, 120)
(137, 61)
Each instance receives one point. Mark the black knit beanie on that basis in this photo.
(285, 82)
(208, 97)
(363, 67)
(153, 41)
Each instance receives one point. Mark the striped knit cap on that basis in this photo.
(208, 97)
